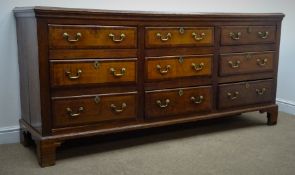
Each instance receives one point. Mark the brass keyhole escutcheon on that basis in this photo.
(247, 85)
(181, 30)
(96, 64)
(249, 29)
(248, 56)
(97, 99)
(180, 60)
(180, 92)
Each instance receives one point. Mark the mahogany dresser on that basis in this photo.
(91, 72)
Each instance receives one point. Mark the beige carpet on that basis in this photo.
(242, 145)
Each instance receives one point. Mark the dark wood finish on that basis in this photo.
(46, 92)
(92, 72)
(248, 35)
(272, 114)
(161, 103)
(179, 67)
(178, 82)
(25, 138)
(178, 36)
(63, 54)
(81, 110)
(91, 36)
(46, 151)
(242, 63)
(244, 93)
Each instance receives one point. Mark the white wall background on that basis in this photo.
(9, 78)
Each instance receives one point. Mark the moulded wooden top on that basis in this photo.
(58, 12)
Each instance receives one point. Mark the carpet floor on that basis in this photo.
(240, 145)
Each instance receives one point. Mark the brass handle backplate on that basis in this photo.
(198, 67)
(197, 100)
(118, 109)
(113, 37)
(122, 72)
(68, 37)
(75, 114)
(261, 62)
(234, 65)
(233, 96)
(198, 36)
(263, 35)
(235, 36)
(164, 38)
(163, 70)
(164, 105)
(260, 91)
(73, 77)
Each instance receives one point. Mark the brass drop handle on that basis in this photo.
(263, 35)
(73, 77)
(233, 96)
(235, 36)
(198, 67)
(234, 65)
(163, 70)
(197, 100)
(118, 109)
(113, 37)
(75, 114)
(164, 38)
(260, 91)
(198, 36)
(122, 72)
(261, 62)
(68, 37)
(159, 103)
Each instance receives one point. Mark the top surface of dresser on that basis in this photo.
(42, 11)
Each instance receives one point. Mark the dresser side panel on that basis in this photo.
(23, 71)
(29, 71)
(277, 56)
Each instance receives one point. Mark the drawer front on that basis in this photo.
(239, 63)
(91, 36)
(245, 93)
(179, 36)
(72, 111)
(176, 67)
(82, 72)
(235, 35)
(178, 101)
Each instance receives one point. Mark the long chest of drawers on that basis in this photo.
(90, 72)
